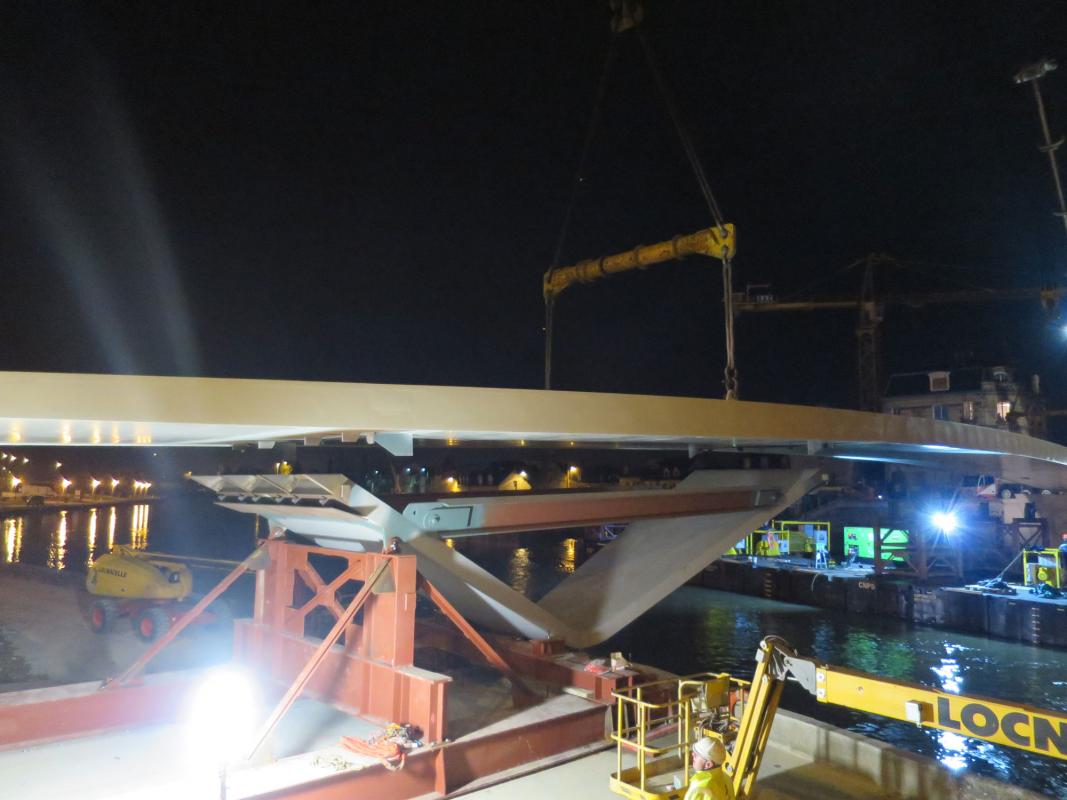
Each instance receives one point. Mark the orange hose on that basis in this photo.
(390, 754)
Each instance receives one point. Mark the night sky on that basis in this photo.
(371, 192)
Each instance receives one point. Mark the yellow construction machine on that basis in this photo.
(658, 722)
(1044, 566)
(151, 589)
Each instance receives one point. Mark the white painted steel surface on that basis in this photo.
(72, 409)
(663, 547)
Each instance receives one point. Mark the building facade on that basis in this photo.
(992, 397)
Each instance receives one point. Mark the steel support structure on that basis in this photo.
(672, 535)
(371, 672)
(253, 561)
(520, 690)
(363, 665)
(301, 680)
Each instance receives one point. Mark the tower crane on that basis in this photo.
(870, 309)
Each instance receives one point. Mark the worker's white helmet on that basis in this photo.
(710, 750)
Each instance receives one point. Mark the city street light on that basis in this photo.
(114, 484)
(94, 483)
(63, 482)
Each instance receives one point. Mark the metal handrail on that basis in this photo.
(676, 710)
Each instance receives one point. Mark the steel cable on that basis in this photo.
(730, 371)
(579, 179)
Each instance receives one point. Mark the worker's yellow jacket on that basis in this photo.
(710, 784)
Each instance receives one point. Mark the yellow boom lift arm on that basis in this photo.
(1022, 727)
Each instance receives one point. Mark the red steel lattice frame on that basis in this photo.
(372, 673)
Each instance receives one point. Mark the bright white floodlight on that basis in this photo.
(222, 715)
(944, 521)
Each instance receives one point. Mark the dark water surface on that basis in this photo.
(693, 630)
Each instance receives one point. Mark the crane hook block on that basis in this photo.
(716, 242)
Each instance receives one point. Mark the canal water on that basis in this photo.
(693, 630)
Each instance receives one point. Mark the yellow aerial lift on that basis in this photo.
(659, 722)
(151, 589)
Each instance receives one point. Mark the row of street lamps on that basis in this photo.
(139, 487)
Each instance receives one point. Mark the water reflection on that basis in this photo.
(12, 540)
(74, 538)
(953, 749)
(92, 538)
(948, 673)
(139, 527)
(519, 570)
(57, 547)
(529, 563)
(871, 652)
(567, 561)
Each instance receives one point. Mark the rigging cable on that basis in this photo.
(579, 179)
(730, 371)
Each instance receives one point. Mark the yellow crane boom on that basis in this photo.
(711, 242)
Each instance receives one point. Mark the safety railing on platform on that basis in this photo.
(658, 722)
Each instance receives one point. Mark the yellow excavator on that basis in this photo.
(658, 722)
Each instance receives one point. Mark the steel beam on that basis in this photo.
(316, 659)
(38, 716)
(533, 512)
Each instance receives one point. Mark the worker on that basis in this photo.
(709, 782)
